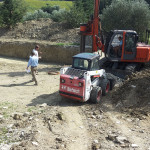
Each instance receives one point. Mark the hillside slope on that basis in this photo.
(42, 29)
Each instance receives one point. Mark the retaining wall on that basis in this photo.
(50, 53)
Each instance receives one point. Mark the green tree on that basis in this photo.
(148, 1)
(74, 17)
(12, 12)
(88, 6)
(104, 4)
(49, 9)
(0, 15)
(124, 14)
(79, 13)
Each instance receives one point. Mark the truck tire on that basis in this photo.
(96, 94)
(105, 85)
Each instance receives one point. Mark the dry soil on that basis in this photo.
(37, 118)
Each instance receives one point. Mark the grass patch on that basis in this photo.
(3, 136)
(67, 44)
(60, 44)
(37, 4)
(7, 108)
(31, 109)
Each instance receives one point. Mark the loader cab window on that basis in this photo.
(80, 64)
(130, 42)
(116, 45)
(95, 65)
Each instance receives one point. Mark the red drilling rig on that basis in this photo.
(121, 48)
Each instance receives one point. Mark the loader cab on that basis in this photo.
(121, 45)
(86, 61)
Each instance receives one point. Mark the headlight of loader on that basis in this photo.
(80, 84)
(62, 80)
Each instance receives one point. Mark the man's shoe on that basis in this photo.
(36, 84)
(31, 81)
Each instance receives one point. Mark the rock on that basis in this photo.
(129, 120)
(73, 140)
(22, 134)
(95, 141)
(43, 105)
(1, 116)
(35, 143)
(119, 104)
(23, 144)
(133, 86)
(17, 116)
(141, 131)
(134, 145)
(57, 146)
(2, 120)
(4, 147)
(60, 116)
(59, 139)
(63, 146)
(118, 122)
(96, 146)
(112, 137)
(81, 127)
(19, 124)
(99, 116)
(5, 107)
(26, 114)
(96, 112)
(93, 117)
(30, 118)
(121, 139)
(9, 126)
(10, 130)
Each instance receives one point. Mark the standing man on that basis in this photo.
(36, 52)
(33, 62)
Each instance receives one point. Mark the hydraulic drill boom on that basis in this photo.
(92, 28)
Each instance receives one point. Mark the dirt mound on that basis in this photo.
(42, 29)
(135, 91)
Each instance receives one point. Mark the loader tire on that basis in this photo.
(105, 85)
(112, 79)
(96, 94)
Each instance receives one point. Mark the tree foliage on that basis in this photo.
(12, 12)
(36, 15)
(104, 4)
(79, 13)
(49, 9)
(74, 17)
(148, 1)
(124, 14)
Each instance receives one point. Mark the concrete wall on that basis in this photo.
(50, 53)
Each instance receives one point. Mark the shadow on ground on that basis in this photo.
(20, 84)
(23, 73)
(55, 99)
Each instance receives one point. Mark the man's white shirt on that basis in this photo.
(35, 52)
